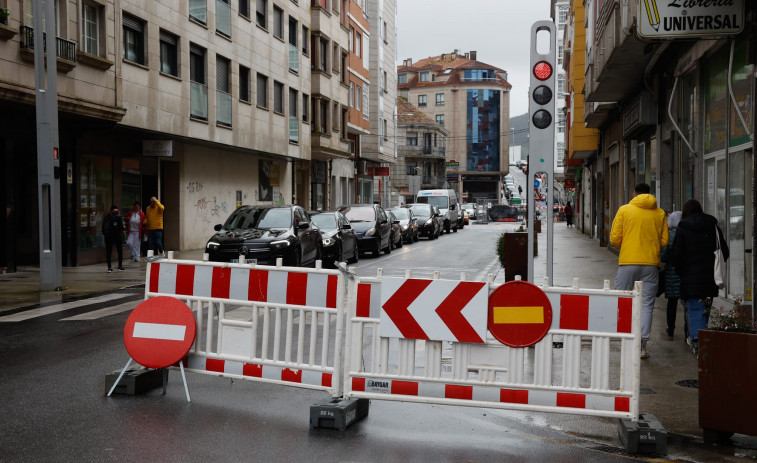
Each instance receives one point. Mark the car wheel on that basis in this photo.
(415, 237)
(400, 241)
(455, 229)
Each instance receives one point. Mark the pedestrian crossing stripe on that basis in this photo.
(51, 309)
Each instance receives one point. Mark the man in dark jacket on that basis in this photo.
(113, 231)
(693, 256)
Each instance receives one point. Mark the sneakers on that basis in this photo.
(110, 270)
(121, 269)
(644, 353)
(695, 346)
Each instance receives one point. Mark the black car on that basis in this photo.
(339, 240)
(265, 233)
(502, 213)
(371, 225)
(396, 233)
(428, 225)
(408, 223)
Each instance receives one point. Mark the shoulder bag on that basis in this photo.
(719, 268)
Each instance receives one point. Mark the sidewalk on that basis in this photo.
(575, 256)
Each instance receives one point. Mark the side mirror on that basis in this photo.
(218, 227)
(303, 226)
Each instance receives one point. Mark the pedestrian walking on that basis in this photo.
(568, 211)
(640, 232)
(154, 213)
(113, 232)
(672, 280)
(135, 226)
(693, 255)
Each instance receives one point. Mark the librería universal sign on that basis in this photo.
(690, 18)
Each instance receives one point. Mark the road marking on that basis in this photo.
(51, 309)
(102, 313)
(159, 331)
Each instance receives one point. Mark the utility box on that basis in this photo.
(516, 255)
(644, 436)
(134, 381)
(337, 413)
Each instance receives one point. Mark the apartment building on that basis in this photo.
(471, 99)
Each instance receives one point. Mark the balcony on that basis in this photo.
(424, 151)
(618, 59)
(65, 50)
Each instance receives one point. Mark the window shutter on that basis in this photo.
(168, 38)
(133, 23)
(222, 75)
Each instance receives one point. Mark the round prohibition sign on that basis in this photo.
(520, 314)
(159, 332)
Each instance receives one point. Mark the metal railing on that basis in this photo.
(223, 18)
(198, 100)
(64, 49)
(294, 58)
(223, 107)
(294, 129)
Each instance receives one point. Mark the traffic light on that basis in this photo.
(542, 101)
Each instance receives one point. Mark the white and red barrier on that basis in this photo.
(272, 324)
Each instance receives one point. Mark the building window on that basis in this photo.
(421, 101)
(334, 61)
(294, 56)
(366, 98)
(305, 40)
(323, 49)
(305, 107)
(244, 83)
(223, 17)
(335, 117)
(412, 139)
(223, 91)
(384, 131)
(169, 53)
(198, 10)
(402, 78)
(383, 32)
(440, 119)
(261, 13)
(478, 75)
(560, 121)
(324, 116)
(383, 81)
(198, 104)
(134, 39)
(278, 22)
(424, 76)
(90, 28)
(244, 8)
(440, 99)
(352, 94)
(345, 74)
(294, 123)
(358, 97)
(262, 90)
(278, 97)
(358, 45)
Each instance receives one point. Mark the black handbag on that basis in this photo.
(660, 281)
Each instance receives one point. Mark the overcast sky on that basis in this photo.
(499, 30)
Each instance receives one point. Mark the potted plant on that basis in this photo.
(727, 351)
(511, 250)
(4, 13)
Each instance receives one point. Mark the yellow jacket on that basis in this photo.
(640, 231)
(154, 216)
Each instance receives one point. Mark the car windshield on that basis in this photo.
(438, 201)
(359, 213)
(421, 210)
(259, 218)
(324, 221)
(401, 213)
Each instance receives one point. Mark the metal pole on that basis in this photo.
(48, 166)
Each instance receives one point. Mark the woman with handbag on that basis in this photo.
(670, 283)
(697, 239)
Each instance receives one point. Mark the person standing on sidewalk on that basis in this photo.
(154, 214)
(693, 255)
(135, 224)
(672, 281)
(639, 231)
(568, 214)
(113, 232)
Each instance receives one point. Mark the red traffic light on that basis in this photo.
(542, 70)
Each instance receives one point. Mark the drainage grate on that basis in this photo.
(688, 383)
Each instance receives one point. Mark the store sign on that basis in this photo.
(480, 178)
(159, 148)
(378, 171)
(690, 18)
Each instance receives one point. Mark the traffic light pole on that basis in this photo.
(48, 164)
(541, 153)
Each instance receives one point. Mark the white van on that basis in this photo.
(445, 200)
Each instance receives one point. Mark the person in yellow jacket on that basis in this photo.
(640, 232)
(154, 213)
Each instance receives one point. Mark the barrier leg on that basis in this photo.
(184, 378)
(165, 380)
(119, 378)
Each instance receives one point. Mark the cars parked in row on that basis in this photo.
(371, 225)
(339, 239)
(408, 223)
(427, 217)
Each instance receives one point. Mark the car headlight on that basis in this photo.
(370, 232)
(429, 221)
(213, 245)
(404, 227)
(279, 244)
(328, 241)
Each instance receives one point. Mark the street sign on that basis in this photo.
(159, 332)
(537, 183)
(520, 314)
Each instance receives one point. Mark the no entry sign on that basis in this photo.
(519, 314)
(159, 332)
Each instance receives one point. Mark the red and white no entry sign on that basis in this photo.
(520, 314)
(159, 332)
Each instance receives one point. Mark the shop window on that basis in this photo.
(95, 198)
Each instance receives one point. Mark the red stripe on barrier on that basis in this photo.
(363, 300)
(453, 391)
(396, 308)
(574, 312)
(358, 384)
(622, 404)
(566, 399)
(297, 284)
(257, 290)
(331, 286)
(251, 369)
(290, 375)
(219, 286)
(154, 276)
(405, 387)
(185, 279)
(326, 379)
(450, 311)
(513, 396)
(625, 314)
(214, 365)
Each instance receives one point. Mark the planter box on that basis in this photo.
(516, 255)
(727, 377)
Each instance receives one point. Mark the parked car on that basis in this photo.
(460, 216)
(442, 221)
(500, 213)
(396, 233)
(339, 239)
(444, 199)
(371, 225)
(470, 209)
(428, 225)
(265, 233)
(408, 223)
